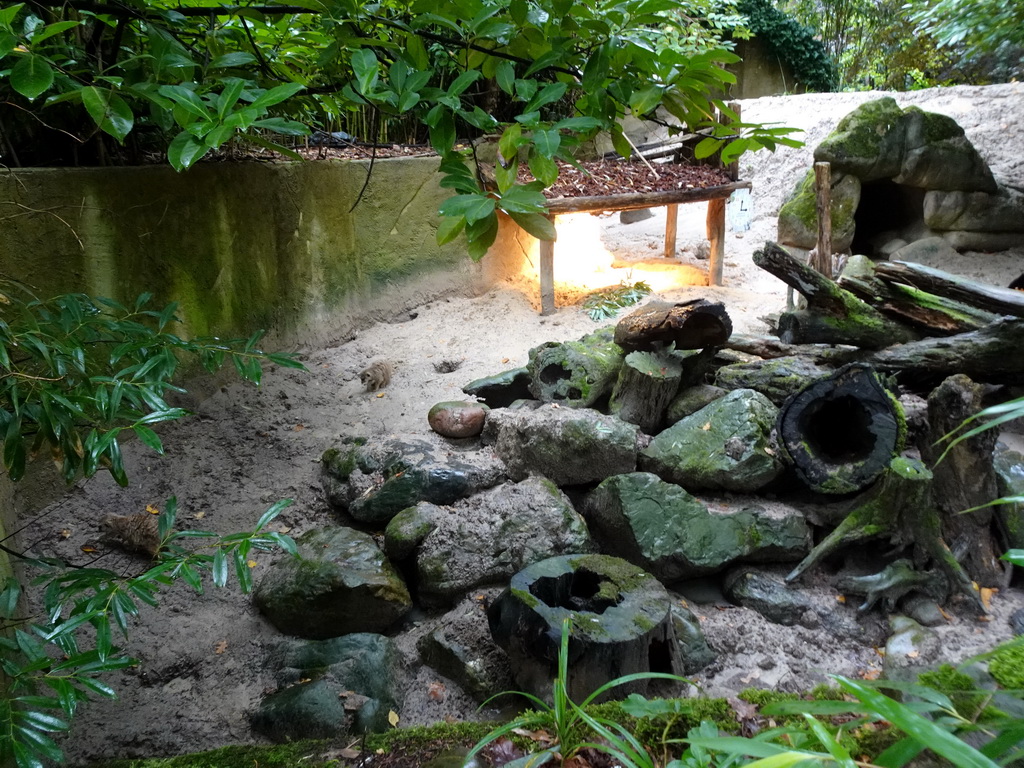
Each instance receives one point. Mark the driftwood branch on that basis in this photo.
(1002, 301)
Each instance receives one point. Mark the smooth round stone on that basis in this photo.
(457, 418)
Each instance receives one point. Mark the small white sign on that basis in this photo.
(739, 211)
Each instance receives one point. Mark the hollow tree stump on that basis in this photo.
(646, 385)
(841, 432)
(621, 618)
(575, 373)
(693, 324)
(964, 478)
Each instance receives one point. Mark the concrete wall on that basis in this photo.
(760, 73)
(241, 246)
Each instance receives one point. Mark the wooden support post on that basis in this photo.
(823, 181)
(716, 234)
(547, 275)
(671, 220)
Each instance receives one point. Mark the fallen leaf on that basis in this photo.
(152, 510)
(380, 394)
(841, 599)
(871, 674)
(66, 533)
(299, 427)
(88, 548)
(252, 563)
(220, 646)
(986, 596)
(283, 529)
(913, 654)
(393, 718)
(707, 427)
(435, 691)
(504, 360)
(945, 615)
(984, 618)
(199, 515)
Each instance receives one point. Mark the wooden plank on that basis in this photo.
(625, 202)
(671, 220)
(716, 234)
(547, 275)
(822, 260)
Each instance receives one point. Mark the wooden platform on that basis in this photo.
(715, 196)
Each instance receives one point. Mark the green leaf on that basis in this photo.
(537, 224)
(523, 199)
(233, 59)
(442, 129)
(53, 29)
(917, 727)
(450, 228)
(508, 144)
(579, 124)
(463, 81)
(31, 76)
(184, 150)
(276, 95)
(283, 126)
(544, 169)
(220, 568)
(547, 141)
(505, 76)
(8, 13)
(473, 207)
(365, 67)
(187, 100)
(110, 112)
(480, 236)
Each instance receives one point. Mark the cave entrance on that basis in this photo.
(886, 209)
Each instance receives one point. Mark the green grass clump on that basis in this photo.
(1007, 666)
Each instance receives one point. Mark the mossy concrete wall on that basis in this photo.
(760, 72)
(241, 246)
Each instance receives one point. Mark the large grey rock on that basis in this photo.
(339, 584)
(768, 595)
(777, 378)
(329, 688)
(798, 217)
(1009, 468)
(926, 251)
(461, 649)
(726, 445)
(488, 537)
(694, 651)
(909, 650)
(373, 480)
(937, 155)
(666, 531)
(1002, 211)
(570, 446)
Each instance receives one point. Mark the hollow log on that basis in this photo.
(898, 508)
(964, 477)
(646, 385)
(841, 432)
(833, 315)
(621, 618)
(991, 298)
(929, 313)
(576, 373)
(692, 324)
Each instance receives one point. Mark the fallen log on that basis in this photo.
(1001, 301)
(833, 315)
(929, 313)
(842, 431)
(646, 385)
(692, 324)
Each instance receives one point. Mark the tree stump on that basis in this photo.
(899, 508)
(647, 383)
(841, 432)
(965, 477)
(621, 619)
(692, 324)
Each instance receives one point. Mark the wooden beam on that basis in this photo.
(671, 220)
(716, 234)
(632, 200)
(547, 275)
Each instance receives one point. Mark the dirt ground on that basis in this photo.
(202, 658)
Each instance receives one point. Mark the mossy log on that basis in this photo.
(991, 298)
(964, 478)
(693, 324)
(646, 385)
(621, 623)
(899, 508)
(833, 315)
(575, 373)
(842, 431)
(931, 314)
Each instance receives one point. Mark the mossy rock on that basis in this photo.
(798, 217)
(577, 374)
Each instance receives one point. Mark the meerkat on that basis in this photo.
(376, 376)
(135, 533)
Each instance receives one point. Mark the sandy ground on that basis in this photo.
(203, 659)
